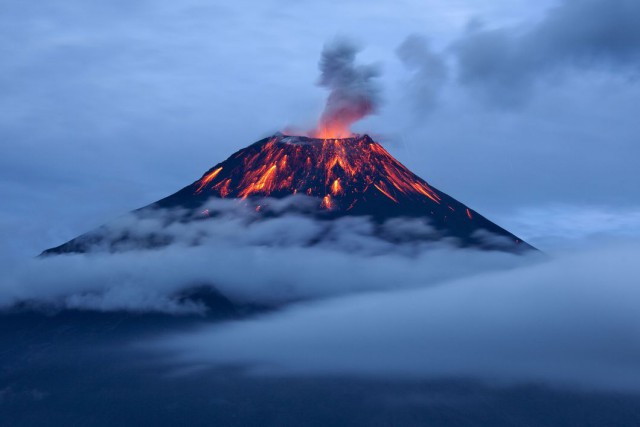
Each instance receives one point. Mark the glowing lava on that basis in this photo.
(337, 124)
(333, 170)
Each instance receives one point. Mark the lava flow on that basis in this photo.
(339, 172)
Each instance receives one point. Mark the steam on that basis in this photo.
(353, 92)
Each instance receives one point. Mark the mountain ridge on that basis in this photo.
(352, 176)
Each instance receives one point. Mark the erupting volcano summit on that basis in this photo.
(346, 174)
(352, 176)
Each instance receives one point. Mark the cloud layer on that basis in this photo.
(571, 321)
(269, 262)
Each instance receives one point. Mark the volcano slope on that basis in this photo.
(336, 178)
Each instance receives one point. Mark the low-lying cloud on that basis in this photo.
(570, 321)
(275, 261)
(351, 301)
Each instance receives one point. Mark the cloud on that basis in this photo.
(571, 321)
(505, 64)
(269, 262)
(573, 226)
(429, 72)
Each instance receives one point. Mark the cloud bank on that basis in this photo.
(268, 262)
(571, 321)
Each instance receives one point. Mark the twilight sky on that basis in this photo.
(526, 112)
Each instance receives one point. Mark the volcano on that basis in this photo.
(352, 176)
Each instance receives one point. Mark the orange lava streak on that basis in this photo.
(406, 185)
(207, 179)
(326, 202)
(334, 170)
(401, 178)
(469, 214)
(336, 188)
(341, 161)
(224, 187)
(264, 183)
(424, 189)
(383, 189)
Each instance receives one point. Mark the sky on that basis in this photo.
(508, 106)
(525, 111)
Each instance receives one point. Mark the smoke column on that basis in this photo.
(353, 92)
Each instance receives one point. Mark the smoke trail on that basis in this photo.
(353, 95)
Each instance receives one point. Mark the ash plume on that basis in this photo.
(353, 91)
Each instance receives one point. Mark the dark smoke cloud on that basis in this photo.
(505, 64)
(353, 92)
(429, 72)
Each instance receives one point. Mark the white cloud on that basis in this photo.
(267, 262)
(572, 225)
(572, 320)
